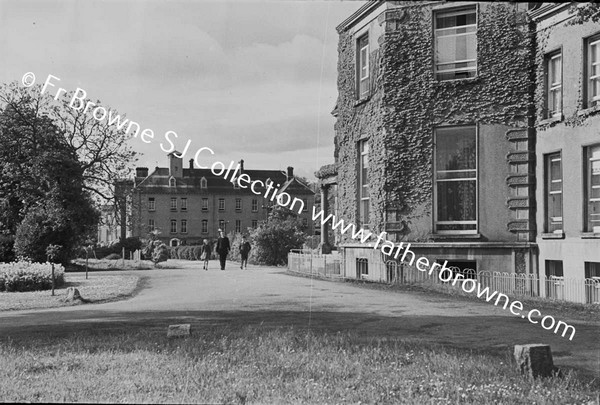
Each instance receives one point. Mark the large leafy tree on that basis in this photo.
(42, 186)
(273, 239)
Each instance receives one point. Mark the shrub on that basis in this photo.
(196, 252)
(7, 253)
(26, 276)
(272, 240)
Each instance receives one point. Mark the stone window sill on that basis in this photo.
(560, 235)
(551, 120)
(449, 82)
(455, 236)
(588, 111)
(362, 100)
(590, 235)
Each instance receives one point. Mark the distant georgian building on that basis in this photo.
(187, 205)
(568, 149)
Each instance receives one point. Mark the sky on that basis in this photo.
(252, 80)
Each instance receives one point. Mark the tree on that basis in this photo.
(273, 239)
(42, 184)
(585, 12)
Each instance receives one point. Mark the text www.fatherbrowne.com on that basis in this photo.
(444, 273)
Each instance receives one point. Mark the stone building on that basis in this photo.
(434, 139)
(188, 205)
(567, 97)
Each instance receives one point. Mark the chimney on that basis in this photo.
(141, 172)
(290, 173)
(241, 165)
(191, 163)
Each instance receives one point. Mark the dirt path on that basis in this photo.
(270, 297)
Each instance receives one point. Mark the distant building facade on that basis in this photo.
(568, 148)
(108, 228)
(434, 142)
(187, 205)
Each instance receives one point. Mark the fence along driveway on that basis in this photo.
(395, 272)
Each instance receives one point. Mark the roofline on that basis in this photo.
(546, 11)
(358, 14)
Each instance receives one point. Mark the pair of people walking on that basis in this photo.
(222, 248)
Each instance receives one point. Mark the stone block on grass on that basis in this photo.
(181, 330)
(534, 360)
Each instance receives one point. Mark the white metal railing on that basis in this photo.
(512, 284)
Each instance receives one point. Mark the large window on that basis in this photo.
(184, 204)
(362, 66)
(238, 204)
(554, 217)
(184, 226)
(363, 192)
(205, 204)
(593, 71)
(173, 226)
(254, 205)
(254, 223)
(173, 204)
(238, 226)
(222, 224)
(151, 204)
(456, 180)
(221, 204)
(553, 64)
(592, 189)
(204, 228)
(151, 225)
(456, 44)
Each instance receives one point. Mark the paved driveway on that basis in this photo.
(273, 298)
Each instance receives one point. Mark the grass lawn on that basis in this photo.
(95, 289)
(259, 365)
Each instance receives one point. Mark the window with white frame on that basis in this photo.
(151, 225)
(184, 204)
(238, 226)
(151, 204)
(593, 71)
(173, 203)
(455, 44)
(172, 182)
(184, 226)
(554, 197)
(205, 204)
(553, 66)
(222, 224)
(362, 66)
(455, 173)
(254, 205)
(173, 226)
(221, 204)
(363, 192)
(592, 189)
(204, 228)
(203, 183)
(238, 204)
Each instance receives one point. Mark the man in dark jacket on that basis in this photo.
(223, 248)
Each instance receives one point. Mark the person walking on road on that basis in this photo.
(223, 248)
(244, 250)
(205, 255)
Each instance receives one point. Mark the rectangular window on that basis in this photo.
(362, 66)
(222, 224)
(173, 226)
(254, 223)
(204, 226)
(362, 267)
(555, 279)
(593, 71)
(238, 226)
(221, 204)
(151, 204)
(363, 192)
(305, 222)
(305, 206)
(456, 44)
(592, 190)
(554, 85)
(151, 225)
(592, 284)
(184, 226)
(466, 268)
(205, 204)
(254, 205)
(184, 204)
(553, 166)
(238, 204)
(455, 172)
(173, 204)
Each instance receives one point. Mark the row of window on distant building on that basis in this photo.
(455, 176)
(183, 205)
(204, 225)
(455, 41)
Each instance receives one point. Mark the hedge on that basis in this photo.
(26, 276)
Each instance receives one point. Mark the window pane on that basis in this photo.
(456, 200)
(554, 220)
(455, 149)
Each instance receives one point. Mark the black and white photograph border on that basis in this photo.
(312, 201)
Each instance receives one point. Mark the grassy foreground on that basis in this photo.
(257, 365)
